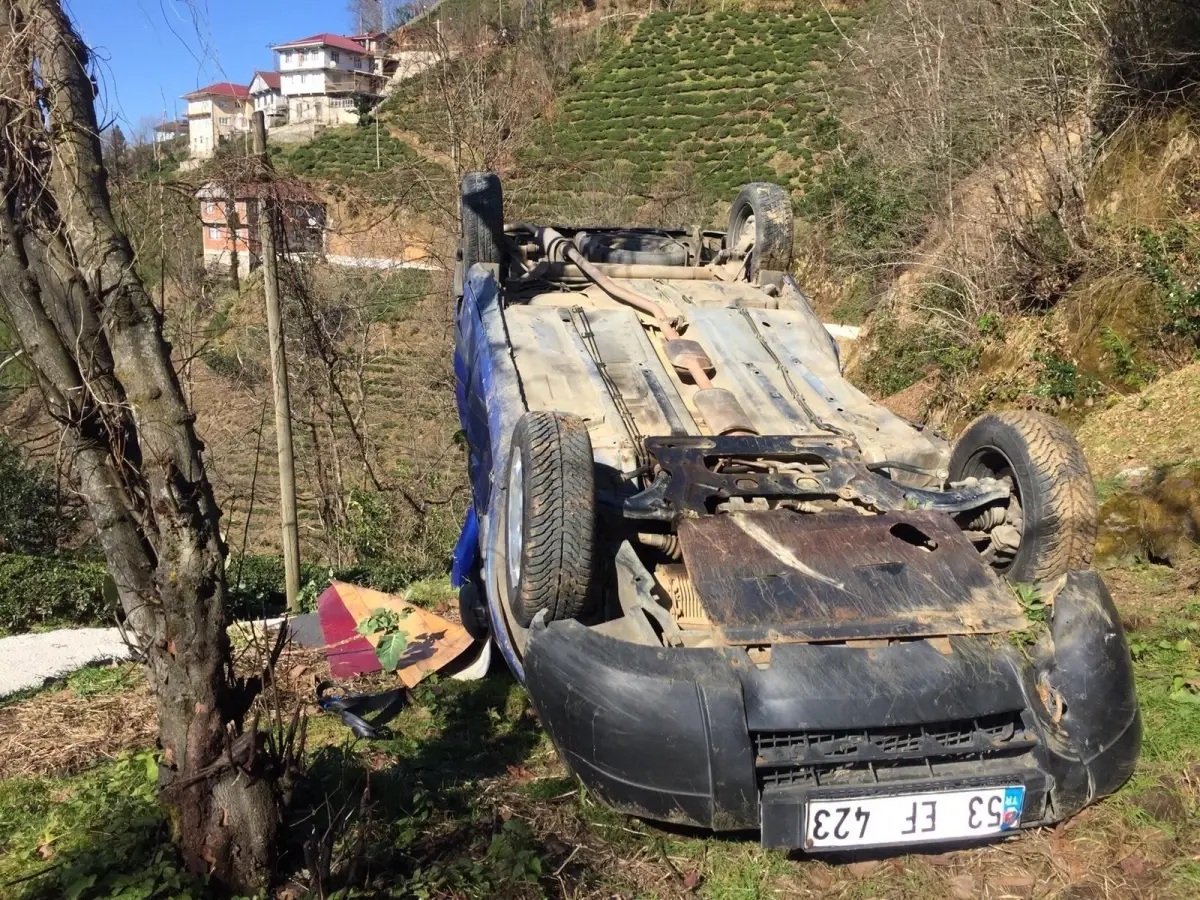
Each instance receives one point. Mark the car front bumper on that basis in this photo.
(704, 737)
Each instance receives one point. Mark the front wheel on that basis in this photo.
(482, 213)
(549, 518)
(1048, 526)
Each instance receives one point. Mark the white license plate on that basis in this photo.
(912, 818)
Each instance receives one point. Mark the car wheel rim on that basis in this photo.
(515, 518)
(990, 462)
(746, 232)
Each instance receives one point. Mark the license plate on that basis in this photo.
(912, 818)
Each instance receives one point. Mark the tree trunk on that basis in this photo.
(232, 222)
(93, 338)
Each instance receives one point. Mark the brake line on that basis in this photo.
(791, 385)
(588, 337)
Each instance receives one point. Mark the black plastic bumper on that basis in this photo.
(704, 737)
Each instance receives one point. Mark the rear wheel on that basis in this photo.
(1048, 526)
(760, 221)
(549, 518)
(482, 210)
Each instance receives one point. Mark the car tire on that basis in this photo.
(1052, 483)
(549, 518)
(767, 209)
(471, 611)
(482, 210)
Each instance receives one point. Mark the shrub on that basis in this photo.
(1060, 379)
(900, 356)
(879, 209)
(32, 519)
(41, 590)
(1172, 261)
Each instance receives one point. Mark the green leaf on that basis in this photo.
(390, 649)
(79, 887)
(151, 768)
(1184, 696)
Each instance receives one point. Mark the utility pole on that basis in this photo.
(267, 217)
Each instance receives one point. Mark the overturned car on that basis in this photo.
(741, 594)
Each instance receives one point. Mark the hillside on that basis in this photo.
(705, 101)
(1007, 205)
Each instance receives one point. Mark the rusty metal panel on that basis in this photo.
(767, 577)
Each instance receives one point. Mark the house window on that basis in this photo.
(209, 208)
(333, 57)
(214, 233)
(286, 58)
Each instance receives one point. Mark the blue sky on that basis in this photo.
(151, 51)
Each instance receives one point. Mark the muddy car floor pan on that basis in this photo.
(779, 576)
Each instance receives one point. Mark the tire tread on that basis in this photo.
(559, 536)
(1066, 514)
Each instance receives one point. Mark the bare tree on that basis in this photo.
(94, 340)
(366, 15)
(115, 149)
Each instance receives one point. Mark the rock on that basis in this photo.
(1155, 517)
(1135, 477)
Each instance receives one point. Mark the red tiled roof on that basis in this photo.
(339, 41)
(368, 34)
(221, 89)
(280, 189)
(270, 79)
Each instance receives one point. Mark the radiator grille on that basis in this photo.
(884, 754)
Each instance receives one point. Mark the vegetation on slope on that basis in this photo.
(351, 154)
(726, 96)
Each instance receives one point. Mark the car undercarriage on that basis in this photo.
(742, 594)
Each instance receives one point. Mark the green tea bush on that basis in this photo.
(32, 515)
(723, 78)
(51, 590)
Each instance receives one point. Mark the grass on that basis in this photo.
(92, 681)
(467, 798)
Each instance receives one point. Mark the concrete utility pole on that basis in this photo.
(267, 217)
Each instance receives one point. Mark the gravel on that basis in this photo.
(32, 660)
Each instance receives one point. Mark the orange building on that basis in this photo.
(301, 214)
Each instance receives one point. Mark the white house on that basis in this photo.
(168, 131)
(320, 76)
(213, 113)
(268, 98)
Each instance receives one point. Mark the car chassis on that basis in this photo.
(795, 632)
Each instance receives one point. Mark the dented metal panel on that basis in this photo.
(783, 576)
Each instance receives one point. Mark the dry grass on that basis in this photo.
(1155, 427)
(62, 731)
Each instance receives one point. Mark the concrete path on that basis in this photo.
(31, 660)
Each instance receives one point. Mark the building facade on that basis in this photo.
(321, 76)
(267, 98)
(301, 215)
(214, 113)
(169, 131)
